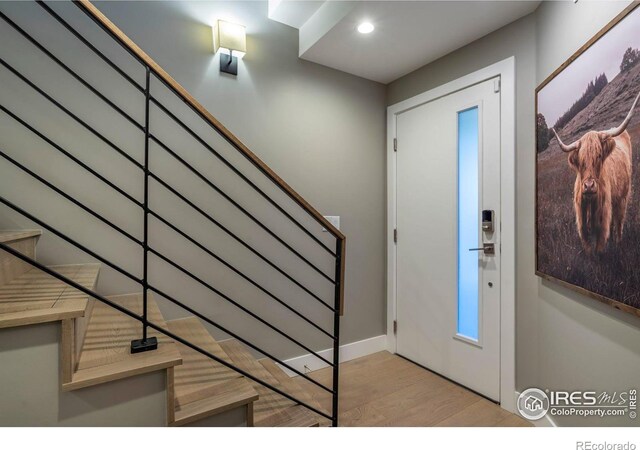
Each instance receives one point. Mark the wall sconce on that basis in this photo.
(229, 38)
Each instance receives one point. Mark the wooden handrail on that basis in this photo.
(187, 97)
(118, 34)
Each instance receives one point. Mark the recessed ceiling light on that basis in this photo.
(365, 27)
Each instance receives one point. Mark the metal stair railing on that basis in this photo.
(154, 72)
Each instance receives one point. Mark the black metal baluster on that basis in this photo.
(146, 343)
(336, 330)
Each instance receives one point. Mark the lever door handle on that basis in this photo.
(488, 248)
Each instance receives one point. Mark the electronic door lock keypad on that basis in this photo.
(487, 220)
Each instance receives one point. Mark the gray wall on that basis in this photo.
(30, 366)
(321, 130)
(564, 340)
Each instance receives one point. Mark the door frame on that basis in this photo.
(505, 69)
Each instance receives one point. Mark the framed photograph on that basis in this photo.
(587, 167)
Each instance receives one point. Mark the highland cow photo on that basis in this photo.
(588, 178)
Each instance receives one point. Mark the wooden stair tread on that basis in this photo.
(215, 399)
(204, 387)
(272, 409)
(16, 235)
(197, 370)
(106, 355)
(36, 297)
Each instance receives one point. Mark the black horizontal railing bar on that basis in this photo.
(141, 128)
(234, 145)
(71, 241)
(157, 290)
(71, 157)
(212, 185)
(158, 328)
(70, 71)
(71, 114)
(236, 304)
(237, 271)
(240, 174)
(235, 336)
(237, 238)
(70, 198)
(203, 117)
(92, 47)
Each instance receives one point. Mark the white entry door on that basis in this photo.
(448, 221)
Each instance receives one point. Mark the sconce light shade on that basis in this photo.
(229, 38)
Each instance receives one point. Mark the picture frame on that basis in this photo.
(569, 235)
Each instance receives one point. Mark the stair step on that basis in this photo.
(17, 235)
(24, 241)
(36, 297)
(105, 355)
(272, 409)
(204, 387)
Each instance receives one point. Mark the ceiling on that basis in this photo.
(407, 35)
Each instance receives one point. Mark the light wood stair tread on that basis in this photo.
(16, 235)
(198, 370)
(106, 354)
(36, 297)
(215, 399)
(272, 409)
(204, 387)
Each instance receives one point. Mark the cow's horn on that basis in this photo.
(565, 148)
(623, 126)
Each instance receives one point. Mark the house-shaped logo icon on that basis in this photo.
(533, 404)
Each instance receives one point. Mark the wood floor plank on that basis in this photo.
(386, 390)
(291, 387)
(482, 413)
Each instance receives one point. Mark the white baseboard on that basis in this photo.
(309, 363)
(546, 421)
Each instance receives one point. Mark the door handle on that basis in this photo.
(488, 248)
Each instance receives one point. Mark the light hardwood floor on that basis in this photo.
(382, 390)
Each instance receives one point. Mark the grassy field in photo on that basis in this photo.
(615, 273)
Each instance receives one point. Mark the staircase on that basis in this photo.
(95, 345)
(108, 345)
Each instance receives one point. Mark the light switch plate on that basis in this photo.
(333, 220)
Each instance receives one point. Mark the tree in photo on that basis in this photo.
(593, 89)
(542, 133)
(629, 59)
